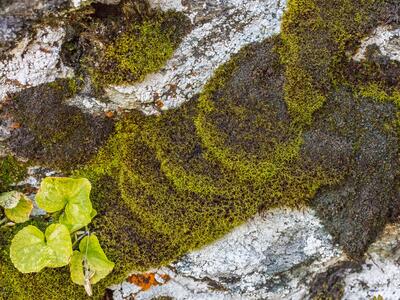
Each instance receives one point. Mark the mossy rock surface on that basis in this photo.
(121, 43)
(353, 134)
(283, 121)
(181, 196)
(51, 132)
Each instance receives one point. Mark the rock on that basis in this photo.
(273, 255)
(379, 274)
(387, 38)
(35, 60)
(17, 17)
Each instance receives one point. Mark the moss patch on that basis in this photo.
(53, 133)
(120, 44)
(319, 38)
(178, 193)
(356, 210)
(11, 171)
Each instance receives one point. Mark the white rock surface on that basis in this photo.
(386, 38)
(380, 273)
(34, 61)
(221, 28)
(271, 257)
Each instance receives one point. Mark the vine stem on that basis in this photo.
(88, 274)
(2, 221)
(77, 239)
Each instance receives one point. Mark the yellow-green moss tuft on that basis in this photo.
(11, 172)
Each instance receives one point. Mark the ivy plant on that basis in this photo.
(31, 250)
(17, 207)
(68, 200)
(68, 194)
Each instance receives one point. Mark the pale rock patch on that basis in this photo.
(272, 256)
(34, 61)
(386, 38)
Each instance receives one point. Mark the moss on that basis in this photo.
(318, 41)
(11, 172)
(120, 44)
(177, 195)
(52, 132)
(143, 49)
(317, 37)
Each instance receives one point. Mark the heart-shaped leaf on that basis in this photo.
(90, 263)
(31, 250)
(21, 212)
(10, 200)
(72, 195)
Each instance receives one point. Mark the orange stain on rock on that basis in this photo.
(147, 280)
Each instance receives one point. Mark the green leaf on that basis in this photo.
(72, 195)
(31, 250)
(21, 212)
(98, 266)
(10, 199)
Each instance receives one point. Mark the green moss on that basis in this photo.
(177, 194)
(122, 43)
(317, 37)
(143, 49)
(11, 172)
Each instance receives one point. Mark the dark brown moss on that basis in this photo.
(330, 285)
(352, 134)
(53, 133)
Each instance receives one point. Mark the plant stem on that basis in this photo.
(2, 221)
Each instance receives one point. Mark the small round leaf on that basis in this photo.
(70, 194)
(21, 212)
(97, 262)
(31, 250)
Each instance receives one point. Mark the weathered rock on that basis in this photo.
(380, 272)
(272, 256)
(17, 17)
(387, 38)
(35, 60)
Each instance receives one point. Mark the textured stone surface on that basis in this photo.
(35, 60)
(387, 38)
(380, 273)
(274, 255)
(16, 16)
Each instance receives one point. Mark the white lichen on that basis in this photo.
(35, 60)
